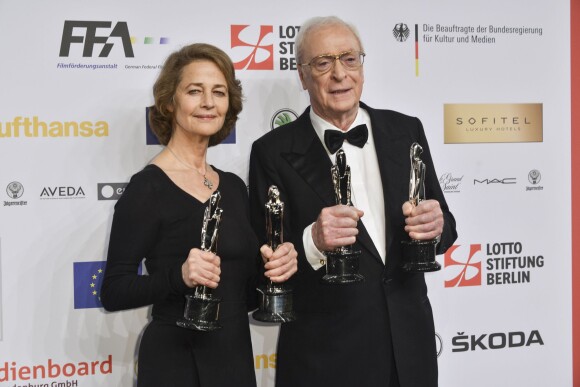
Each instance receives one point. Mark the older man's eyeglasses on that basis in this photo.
(351, 60)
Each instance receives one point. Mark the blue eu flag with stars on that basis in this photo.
(88, 277)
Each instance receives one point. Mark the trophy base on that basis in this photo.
(342, 268)
(201, 313)
(275, 304)
(419, 256)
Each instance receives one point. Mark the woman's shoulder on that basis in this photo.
(150, 174)
(230, 179)
(150, 179)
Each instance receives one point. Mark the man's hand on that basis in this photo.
(425, 221)
(336, 227)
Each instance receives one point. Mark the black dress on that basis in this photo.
(156, 220)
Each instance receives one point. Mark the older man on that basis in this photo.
(379, 332)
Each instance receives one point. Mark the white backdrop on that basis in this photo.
(73, 131)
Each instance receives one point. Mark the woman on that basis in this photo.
(159, 218)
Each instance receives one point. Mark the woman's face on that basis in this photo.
(201, 100)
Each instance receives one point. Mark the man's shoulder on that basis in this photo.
(283, 134)
(386, 114)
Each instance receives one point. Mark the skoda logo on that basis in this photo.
(282, 117)
(438, 344)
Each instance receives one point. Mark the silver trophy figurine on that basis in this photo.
(202, 307)
(418, 256)
(342, 264)
(275, 299)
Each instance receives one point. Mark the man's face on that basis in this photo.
(334, 95)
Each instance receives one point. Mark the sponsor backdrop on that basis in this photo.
(490, 81)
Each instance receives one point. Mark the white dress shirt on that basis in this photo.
(367, 187)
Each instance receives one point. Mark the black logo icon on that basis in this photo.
(401, 32)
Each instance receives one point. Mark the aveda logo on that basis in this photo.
(62, 193)
(34, 127)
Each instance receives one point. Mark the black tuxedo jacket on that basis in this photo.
(353, 335)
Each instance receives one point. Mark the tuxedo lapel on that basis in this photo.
(387, 145)
(309, 159)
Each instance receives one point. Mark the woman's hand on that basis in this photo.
(201, 268)
(280, 264)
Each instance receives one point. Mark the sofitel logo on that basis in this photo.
(491, 123)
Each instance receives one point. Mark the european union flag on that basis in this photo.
(151, 139)
(88, 277)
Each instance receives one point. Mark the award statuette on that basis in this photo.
(275, 299)
(201, 307)
(418, 256)
(342, 263)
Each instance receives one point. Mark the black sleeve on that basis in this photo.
(433, 191)
(135, 229)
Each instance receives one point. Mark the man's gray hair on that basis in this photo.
(315, 23)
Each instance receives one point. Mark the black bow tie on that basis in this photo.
(357, 136)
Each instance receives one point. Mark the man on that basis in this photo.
(378, 332)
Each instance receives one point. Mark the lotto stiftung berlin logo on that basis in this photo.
(463, 268)
(251, 48)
